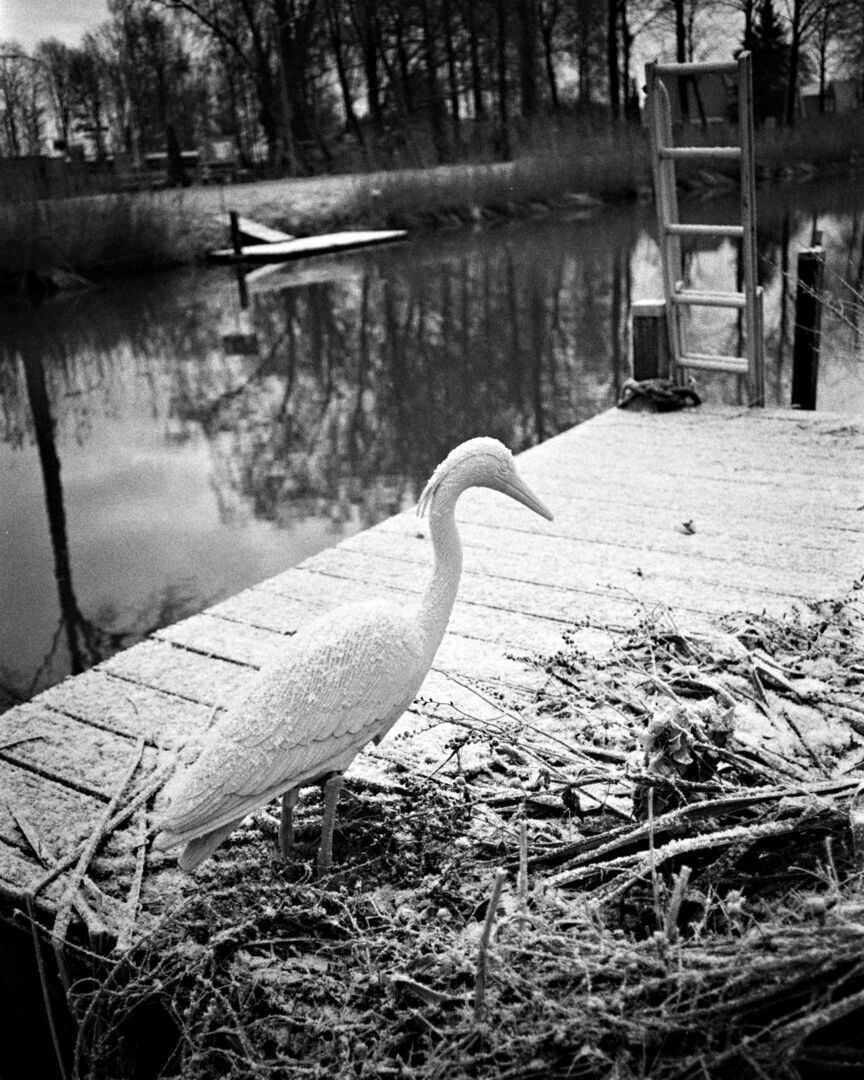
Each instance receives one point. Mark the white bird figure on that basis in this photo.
(339, 683)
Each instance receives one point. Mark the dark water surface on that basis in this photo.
(162, 448)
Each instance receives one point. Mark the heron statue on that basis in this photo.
(340, 682)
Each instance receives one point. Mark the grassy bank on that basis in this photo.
(560, 165)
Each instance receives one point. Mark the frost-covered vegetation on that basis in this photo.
(680, 822)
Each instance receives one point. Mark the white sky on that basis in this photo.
(29, 21)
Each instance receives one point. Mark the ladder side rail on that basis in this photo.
(675, 259)
(671, 244)
(754, 345)
(661, 204)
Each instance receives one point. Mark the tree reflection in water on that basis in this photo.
(87, 641)
(372, 374)
(215, 469)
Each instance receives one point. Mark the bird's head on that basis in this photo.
(481, 462)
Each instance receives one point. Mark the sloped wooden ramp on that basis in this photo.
(707, 511)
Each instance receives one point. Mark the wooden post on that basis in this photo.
(651, 354)
(236, 242)
(808, 327)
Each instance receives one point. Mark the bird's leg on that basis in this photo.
(332, 787)
(286, 824)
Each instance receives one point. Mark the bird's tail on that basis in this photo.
(202, 847)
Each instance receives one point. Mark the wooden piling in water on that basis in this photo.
(808, 327)
(236, 239)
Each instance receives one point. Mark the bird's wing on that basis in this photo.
(343, 680)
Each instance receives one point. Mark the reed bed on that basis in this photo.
(94, 234)
(655, 869)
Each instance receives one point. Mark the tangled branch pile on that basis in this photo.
(681, 822)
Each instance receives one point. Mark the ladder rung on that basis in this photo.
(693, 153)
(738, 365)
(709, 299)
(678, 229)
(710, 67)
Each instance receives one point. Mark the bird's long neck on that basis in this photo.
(440, 593)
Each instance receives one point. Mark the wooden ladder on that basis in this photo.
(671, 229)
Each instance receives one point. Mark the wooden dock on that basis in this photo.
(706, 511)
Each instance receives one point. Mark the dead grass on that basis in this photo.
(93, 233)
(679, 817)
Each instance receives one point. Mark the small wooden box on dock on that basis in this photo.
(650, 340)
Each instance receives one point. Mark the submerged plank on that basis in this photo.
(302, 247)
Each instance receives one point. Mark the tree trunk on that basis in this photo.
(546, 32)
(748, 9)
(794, 62)
(429, 55)
(452, 74)
(527, 56)
(369, 50)
(631, 96)
(503, 135)
(612, 59)
(681, 57)
(476, 76)
(292, 40)
(336, 46)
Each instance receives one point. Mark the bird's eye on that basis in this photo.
(504, 469)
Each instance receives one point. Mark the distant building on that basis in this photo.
(841, 96)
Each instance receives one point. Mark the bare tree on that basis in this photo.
(527, 40)
(21, 111)
(88, 73)
(338, 47)
(548, 19)
(258, 32)
(153, 66)
(56, 59)
(802, 16)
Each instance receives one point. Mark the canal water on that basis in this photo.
(162, 446)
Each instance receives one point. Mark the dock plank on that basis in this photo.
(549, 561)
(252, 646)
(776, 500)
(50, 742)
(19, 874)
(128, 708)
(286, 602)
(63, 815)
(194, 676)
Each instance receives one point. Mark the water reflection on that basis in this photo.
(383, 366)
(186, 446)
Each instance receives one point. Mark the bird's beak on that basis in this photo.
(517, 489)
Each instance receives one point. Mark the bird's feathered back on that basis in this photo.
(465, 452)
(342, 682)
